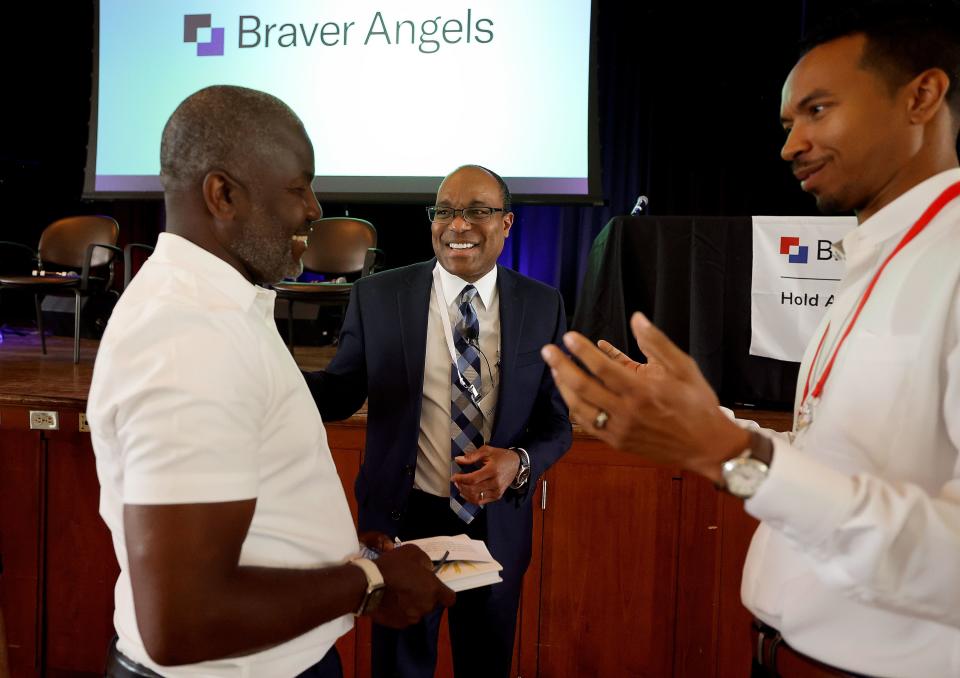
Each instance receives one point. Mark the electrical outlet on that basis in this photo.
(44, 420)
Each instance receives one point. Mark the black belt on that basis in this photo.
(777, 659)
(120, 665)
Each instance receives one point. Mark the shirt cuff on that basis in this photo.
(802, 498)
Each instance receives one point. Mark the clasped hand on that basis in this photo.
(498, 469)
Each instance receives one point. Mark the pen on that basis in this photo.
(441, 562)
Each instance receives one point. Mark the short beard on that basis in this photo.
(829, 205)
(268, 257)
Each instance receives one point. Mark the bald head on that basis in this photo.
(221, 127)
(504, 190)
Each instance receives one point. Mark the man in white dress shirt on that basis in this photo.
(855, 568)
(236, 546)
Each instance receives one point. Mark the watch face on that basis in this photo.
(743, 476)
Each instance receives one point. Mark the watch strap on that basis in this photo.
(523, 471)
(374, 582)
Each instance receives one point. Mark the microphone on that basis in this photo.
(471, 334)
(642, 202)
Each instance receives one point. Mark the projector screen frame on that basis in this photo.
(594, 195)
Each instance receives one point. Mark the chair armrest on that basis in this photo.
(128, 260)
(34, 259)
(88, 257)
(373, 261)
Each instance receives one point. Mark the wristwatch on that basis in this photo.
(744, 473)
(375, 586)
(523, 473)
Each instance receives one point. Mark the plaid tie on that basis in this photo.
(466, 420)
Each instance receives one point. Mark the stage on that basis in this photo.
(27, 376)
(679, 544)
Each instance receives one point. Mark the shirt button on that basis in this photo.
(394, 515)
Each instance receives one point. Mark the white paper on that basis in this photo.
(461, 547)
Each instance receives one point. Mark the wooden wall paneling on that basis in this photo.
(444, 654)
(733, 648)
(21, 522)
(346, 445)
(733, 651)
(81, 568)
(609, 569)
(526, 648)
(624, 564)
(698, 580)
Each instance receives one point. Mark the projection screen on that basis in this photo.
(394, 95)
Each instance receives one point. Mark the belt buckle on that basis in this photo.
(767, 659)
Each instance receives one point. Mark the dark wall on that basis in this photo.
(689, 97)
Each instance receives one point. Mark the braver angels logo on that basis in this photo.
(212, 45)
(796, 253)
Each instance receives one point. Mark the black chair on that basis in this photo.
(86, 246)
(342, 249)
(128, 260)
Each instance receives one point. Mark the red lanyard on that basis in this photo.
(942, 200)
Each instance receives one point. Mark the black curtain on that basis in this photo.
(689, 116)
(688, 101)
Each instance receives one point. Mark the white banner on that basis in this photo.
(795, 273)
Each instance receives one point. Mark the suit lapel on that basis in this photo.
(413, 305)
(511, 329)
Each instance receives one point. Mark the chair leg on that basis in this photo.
(43, 338)
(290, 325)
(76, 328)
(341, 317)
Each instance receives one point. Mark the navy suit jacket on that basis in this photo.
(381, 359)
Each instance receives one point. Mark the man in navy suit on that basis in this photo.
(463, 416)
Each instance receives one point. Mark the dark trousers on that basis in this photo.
(482, 622)
(121, 666)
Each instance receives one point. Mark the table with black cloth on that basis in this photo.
(691, 276)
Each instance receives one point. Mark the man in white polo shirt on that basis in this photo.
(234, 539)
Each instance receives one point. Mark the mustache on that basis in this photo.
(803, 166)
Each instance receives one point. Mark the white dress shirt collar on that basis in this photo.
(453, 285)
(898, 216)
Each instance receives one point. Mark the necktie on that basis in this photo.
(466, 421)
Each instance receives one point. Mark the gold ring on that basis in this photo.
(600, 421)
(481, 495)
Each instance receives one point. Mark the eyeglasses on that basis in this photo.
(472, 215)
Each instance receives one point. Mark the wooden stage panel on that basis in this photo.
(608, 585)
(80, 568)
(635, 568)
(21, 522)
